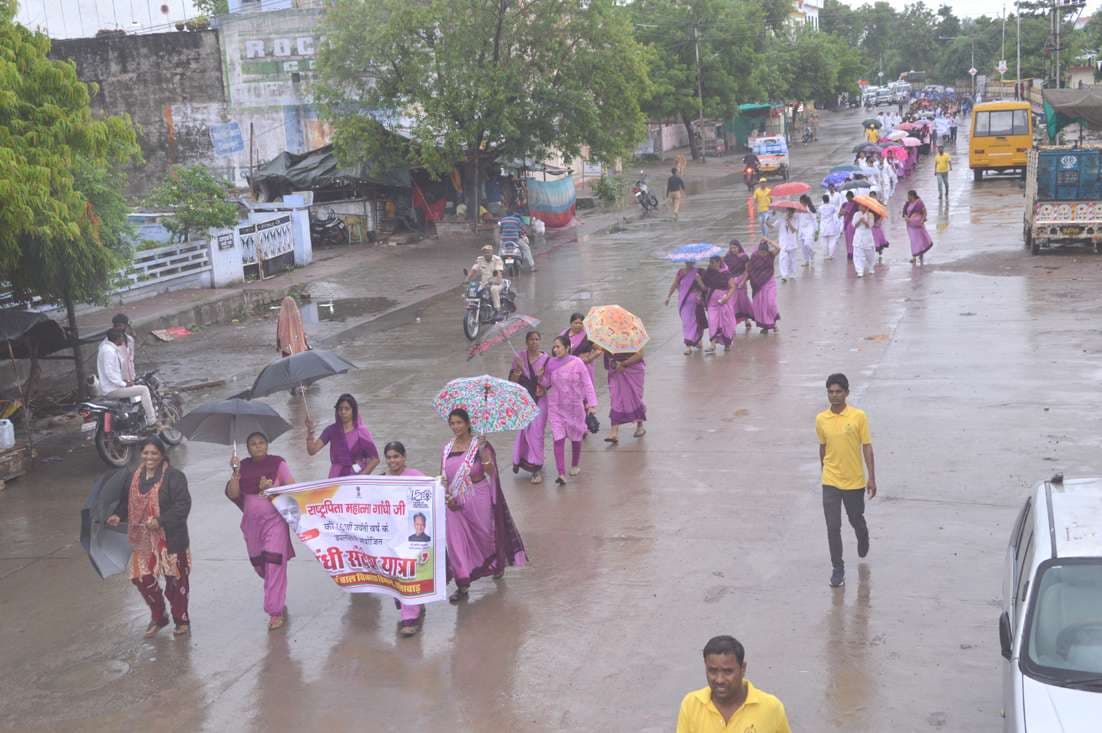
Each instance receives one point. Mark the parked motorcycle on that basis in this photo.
(480, 310)
(117, 425)
(641, 192)
(330, 230)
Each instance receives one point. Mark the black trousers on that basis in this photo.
(854, 500)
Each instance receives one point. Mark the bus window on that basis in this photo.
(1002, 123)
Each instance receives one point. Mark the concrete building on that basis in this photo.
(85, 18)
(806, 12)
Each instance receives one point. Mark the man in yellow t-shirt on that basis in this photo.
(942, 165)
(845, 448)
(729, 704)
(763, 198)
(872, 134)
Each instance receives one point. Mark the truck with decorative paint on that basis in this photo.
(1063, 197)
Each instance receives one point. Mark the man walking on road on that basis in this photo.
(763, 199)
(845, 448)
(675, 192)
(942, 165)
(729, 702)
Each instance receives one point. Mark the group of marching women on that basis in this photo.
(563, 385)
(715, 299)
(481, 538)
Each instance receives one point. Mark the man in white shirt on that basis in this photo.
(488, 270)
(111, 367)
(122, 323)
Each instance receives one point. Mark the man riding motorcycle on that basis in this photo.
(750, 167)
(514, 232)
(488, 270)
(116, 376)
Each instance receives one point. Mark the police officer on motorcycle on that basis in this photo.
(487, 270)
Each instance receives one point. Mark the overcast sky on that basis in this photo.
(971, 8)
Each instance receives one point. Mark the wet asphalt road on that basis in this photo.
(978, 373)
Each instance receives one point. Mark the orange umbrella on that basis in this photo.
(793, 188)
(872, 205)
(794, 205)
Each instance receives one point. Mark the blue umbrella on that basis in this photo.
(835, 179)
(694, 252)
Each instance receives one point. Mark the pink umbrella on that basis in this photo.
(911, 142)
(897, 152)
(794, 188)
(794, 205)
(502, 332)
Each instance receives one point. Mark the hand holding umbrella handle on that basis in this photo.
(113, 520)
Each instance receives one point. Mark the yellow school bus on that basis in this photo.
(1002, 134)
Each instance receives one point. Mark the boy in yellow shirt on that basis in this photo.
(845, 448)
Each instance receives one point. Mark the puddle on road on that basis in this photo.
(341, 309)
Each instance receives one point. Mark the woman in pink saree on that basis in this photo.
(570, 396)
(847, 211)
(626, 376)
(764, 285)
(581, 346)
(719, 299)
(690, 305)
(267, 538)
(412, 614)
(351, 445)
(482, 539)
(736, 260)
(526, 371)
(914, 213)
(290, 333)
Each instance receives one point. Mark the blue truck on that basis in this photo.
(1063, 204)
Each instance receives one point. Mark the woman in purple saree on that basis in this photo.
(914, 213)
(847, 210)
(764, 286)
(626, 376)
(267, 538)
(689, 289)
(412, 614)
(351, 445)
(719, 299)
(581, 346)
(482, 539)
(526, 371)
(736, 260)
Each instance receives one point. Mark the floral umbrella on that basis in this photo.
(695, 252)
(615, 329)
(494, 405)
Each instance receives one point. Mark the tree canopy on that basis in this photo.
(198, 201)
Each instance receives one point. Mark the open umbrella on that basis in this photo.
(792, 188)
(897, 152)
(844, 169)
(897, 134)
(502, 332)
(298, 370)
(794, 205)
(107, 547)
(616, 330)
(871, 122)
(907, 126)
(851, 185)
(835, 179)
(911, 142)
(495, 405)
(227, 422)
(872, 205)
(866, 148)
(694, 252)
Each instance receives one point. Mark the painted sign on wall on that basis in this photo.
(227, 138)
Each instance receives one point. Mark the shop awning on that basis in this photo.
(321, 169)
(1064, 107)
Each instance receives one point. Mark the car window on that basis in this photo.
(1022, 573)
(1064, 632)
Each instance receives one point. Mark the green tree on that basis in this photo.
(471, 81)
(198, 201)
(63, 220)
(212, 7)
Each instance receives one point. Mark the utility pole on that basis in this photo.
(699, 92)
(1018, 86)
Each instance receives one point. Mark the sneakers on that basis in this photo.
(862, 546)
(838, 578)
(575, 470)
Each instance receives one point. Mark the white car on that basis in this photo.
(1050, 629)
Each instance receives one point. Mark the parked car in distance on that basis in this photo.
(1050, 628)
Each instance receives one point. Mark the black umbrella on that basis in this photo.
(872, 122)
(866, 148)
(226, 422)
(107, 547)
(850, 185)
(299, 370)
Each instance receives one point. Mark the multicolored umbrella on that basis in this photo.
(502, 332)
(615, 329)
(794, 205)
(495, 405)
(792, 188)
(694, 252)
(872, 205)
